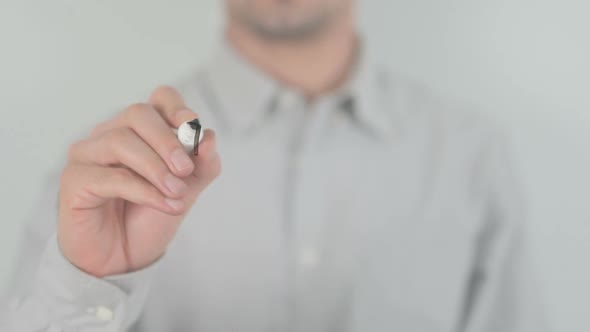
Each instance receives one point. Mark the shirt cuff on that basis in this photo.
(75, 299)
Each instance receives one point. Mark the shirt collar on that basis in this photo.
(366, 94)
(243, 91)
(246, 94)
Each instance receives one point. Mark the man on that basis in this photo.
(351, 200)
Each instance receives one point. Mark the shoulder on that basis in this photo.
(456, 136)
(443, 118)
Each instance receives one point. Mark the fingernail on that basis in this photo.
(184, 115)
(175, 204)
(174, 184)
(181, 160)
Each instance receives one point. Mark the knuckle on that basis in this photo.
(116, 175)
(98, 129)
(157, 170)
(116, 136)
(115, 142)
(135, 111)
(162, 92)
(72, 177)
(74, 150)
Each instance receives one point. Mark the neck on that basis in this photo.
(314, 66)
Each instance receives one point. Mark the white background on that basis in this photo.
(65, 64)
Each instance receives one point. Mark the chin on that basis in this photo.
(285, 19)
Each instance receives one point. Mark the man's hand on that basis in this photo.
(127, 187)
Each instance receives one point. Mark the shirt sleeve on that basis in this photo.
(503, 293)
(51, 294)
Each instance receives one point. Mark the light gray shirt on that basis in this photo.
(380, 207)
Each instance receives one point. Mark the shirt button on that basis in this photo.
(102, 313)
(309, 257)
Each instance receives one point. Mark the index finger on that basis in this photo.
(171, 106)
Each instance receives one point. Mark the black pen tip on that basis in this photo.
(195, 124)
